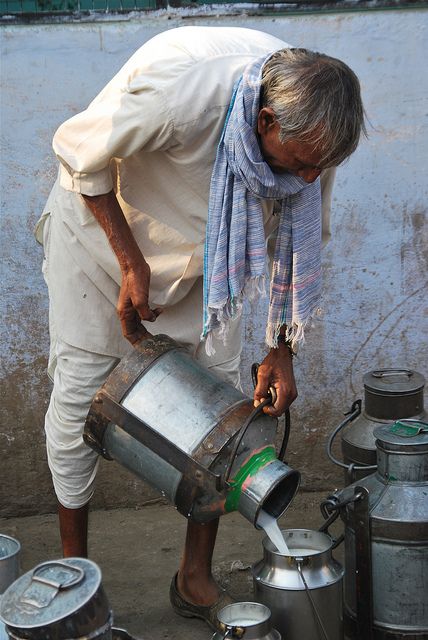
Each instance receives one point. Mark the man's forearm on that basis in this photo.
(133, 301)
(108, 213)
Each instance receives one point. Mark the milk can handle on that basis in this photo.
(43, 589)
(64, 584)
(350, 416)
(231, 632)
(271, 399)
(308, 593)
(287, 424)
(386, 373)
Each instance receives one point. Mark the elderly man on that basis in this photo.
(206, 145)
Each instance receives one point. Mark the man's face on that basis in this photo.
(298, 158)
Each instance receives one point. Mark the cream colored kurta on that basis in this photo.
(151, 134)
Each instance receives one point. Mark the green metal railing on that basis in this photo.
(74, 6)
(39, 8)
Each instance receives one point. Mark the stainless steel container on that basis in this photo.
(10, 550)
(192, 436)
(389, 395)
(247, 620)
(58, 600)
(386, 539)
(303, 590)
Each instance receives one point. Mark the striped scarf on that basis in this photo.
(235, 244)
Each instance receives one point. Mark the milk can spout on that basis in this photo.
(271, 489)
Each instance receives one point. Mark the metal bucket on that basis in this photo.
(303, 590)
(58, 600)
(190, 435)
(10, 550)
(249, 620)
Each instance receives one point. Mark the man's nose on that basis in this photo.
(309, 175)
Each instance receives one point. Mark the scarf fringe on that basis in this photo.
(294, 333)
(220, 317)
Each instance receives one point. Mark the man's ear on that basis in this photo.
(265, 120)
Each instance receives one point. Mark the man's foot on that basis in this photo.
(197, 591)
(189, 609)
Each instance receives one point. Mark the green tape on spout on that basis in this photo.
(249, 469)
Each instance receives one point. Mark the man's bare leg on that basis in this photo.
(73, 526)
(195, 582)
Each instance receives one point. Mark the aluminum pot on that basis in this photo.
(10, 550)
(189, 434)
(247, 620)
(303, 589)
(58, 600)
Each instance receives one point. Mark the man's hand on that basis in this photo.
(133, 303)
(276, 371)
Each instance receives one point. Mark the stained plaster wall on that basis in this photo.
(374, 267)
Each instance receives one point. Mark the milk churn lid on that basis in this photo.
(393, 381)
(411, 435)
(50, 592)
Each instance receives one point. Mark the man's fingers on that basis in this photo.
(146, 313)
(132, 329)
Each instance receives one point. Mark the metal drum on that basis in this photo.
(249, 620)
(190, 435)
(389, 395)
(386, 539)
(303, 589)
(58, 600)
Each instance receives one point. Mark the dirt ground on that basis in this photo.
(138, 551)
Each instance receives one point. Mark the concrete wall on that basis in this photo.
(374, 267)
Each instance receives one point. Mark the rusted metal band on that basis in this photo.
(219, 438)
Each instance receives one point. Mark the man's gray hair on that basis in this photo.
(315, 99)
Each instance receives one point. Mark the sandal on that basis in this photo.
(190, 610)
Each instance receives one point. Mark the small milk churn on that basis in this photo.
(58, 600)
(246, 620)
(386, 539)
(190, 435)
(389, 395)
(303, 589)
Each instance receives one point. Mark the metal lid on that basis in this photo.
(393, 381)
(408, 435)
(49, 592)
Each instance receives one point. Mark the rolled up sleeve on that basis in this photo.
(121, 121)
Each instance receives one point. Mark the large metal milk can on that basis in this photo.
(58, 600)
(389, 395)
(386, 539)
(303, 589)
(190, 435)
